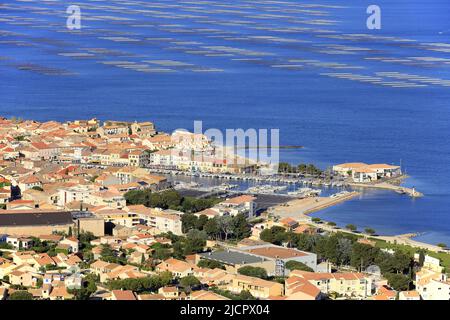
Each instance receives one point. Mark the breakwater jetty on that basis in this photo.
(387, 186)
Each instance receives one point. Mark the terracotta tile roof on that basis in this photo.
(296, 284)
(277, 252)
(352, 165)
(60, 292)
(382, 166)
(326, 275)
(172, 264)
(411, 294)
(240, 199)
(206, 295)
(289, 221)
(123, 295)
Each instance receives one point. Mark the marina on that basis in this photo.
(379, 110)
(278, 184)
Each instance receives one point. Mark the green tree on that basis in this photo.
(246, 295)
(257, 272)
(21, 295)
(211, 264)
(331, 223)
(276, 235)
(351, 227)
(211, 228)
(421, 257)
(306, 242)
(134, 197)
(240, 227)
(402, 261)
(195, 241)
(398, 282)
(188, 222)
(344, 248)
(165, 200)
(335, 248)
(39, 282)
(188, 282)
(369, 231)
(297, 265)
(109, 255)
(225, 226)
(151, 283)
(284, 167)
(80, 294)
(201, 221)
(193, 205)
(86, 237)
(363, 255)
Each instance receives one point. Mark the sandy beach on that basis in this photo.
(299, 209)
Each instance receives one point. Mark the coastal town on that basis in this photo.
(115, 210)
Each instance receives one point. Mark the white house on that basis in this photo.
(244, 204)
(19, 242)
(362, 172)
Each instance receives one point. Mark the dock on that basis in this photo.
(275, 178)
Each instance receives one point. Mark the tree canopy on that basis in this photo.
(146, 284)
(169, 199)
(257, 272)
(21, 295)
(297, 265)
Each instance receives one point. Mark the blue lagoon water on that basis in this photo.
(311, 69)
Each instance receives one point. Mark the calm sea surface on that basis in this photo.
(314, 71)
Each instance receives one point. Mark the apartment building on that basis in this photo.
(118, 217)
(259, 288)
(281, 255)
(349, 284)
(163, 220)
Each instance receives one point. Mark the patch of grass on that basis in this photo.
(442, 256)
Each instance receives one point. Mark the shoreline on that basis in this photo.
(412, 192)
(300, 210)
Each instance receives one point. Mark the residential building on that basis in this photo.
(281, 255)
(178, 268)
(20, 242)
(409, 295)
(349, 284)
(362, 172)
(258, 288)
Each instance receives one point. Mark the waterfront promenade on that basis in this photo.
(299, 208)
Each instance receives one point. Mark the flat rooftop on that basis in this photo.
(277, 252)
(40, 218)
(231, 257)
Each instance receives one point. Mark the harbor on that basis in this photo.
(278, 183)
